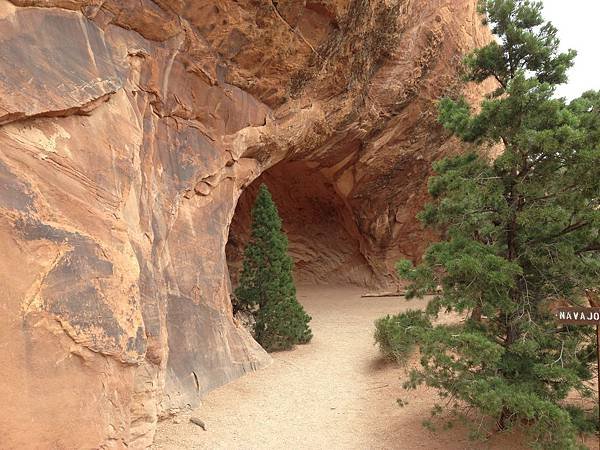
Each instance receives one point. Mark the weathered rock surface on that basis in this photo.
(128, 131)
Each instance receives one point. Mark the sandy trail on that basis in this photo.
(334, 393)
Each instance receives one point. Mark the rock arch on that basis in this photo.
(124, 146)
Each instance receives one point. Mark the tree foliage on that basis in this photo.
(266, 285)
(520, 235)
(398, 336)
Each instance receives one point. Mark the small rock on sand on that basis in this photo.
(198, 421)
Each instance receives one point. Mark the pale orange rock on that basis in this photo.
(128, 132)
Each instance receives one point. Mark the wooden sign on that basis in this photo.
(578, 316)
(584, 316)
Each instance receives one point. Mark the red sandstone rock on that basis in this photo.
(128, 131)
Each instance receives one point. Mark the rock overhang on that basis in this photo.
(134, 129)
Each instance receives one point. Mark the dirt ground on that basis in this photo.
(334, 393)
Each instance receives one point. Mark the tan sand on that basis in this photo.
(334, 393)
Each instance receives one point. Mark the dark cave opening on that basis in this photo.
(324, 241)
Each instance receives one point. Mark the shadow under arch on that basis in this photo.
(324, 241)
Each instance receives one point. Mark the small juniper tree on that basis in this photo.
(520, 233)
(266, 286)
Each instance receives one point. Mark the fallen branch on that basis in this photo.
(383, 294)
(377, 387)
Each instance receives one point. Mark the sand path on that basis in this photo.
(334, 393)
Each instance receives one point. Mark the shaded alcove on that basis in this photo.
(323, 239)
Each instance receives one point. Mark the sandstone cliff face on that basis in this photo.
(128, 131)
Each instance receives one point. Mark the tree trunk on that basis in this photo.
(476, 314)
(502, 422)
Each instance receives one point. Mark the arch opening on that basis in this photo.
(324, 241)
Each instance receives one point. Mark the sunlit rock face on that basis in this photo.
(128, 131)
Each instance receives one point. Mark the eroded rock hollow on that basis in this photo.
(324, 240)
(128, 131)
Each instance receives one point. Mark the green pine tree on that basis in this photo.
(520, 234)
(266, 286)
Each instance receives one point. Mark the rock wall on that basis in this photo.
(128, 131)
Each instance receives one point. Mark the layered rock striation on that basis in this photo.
(128, 131)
